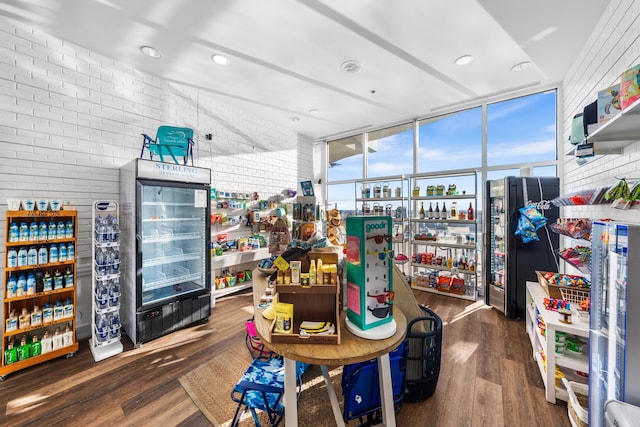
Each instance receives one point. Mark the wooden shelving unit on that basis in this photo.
(59, 344)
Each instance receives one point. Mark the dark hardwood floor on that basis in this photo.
(488, 376)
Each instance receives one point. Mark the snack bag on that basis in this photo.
(533, 215)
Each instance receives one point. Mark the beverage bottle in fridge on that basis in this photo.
(421, 210)
(430, 214)
(443, 212)
(470, 212)
(436, 214)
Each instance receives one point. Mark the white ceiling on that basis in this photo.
(285, 55)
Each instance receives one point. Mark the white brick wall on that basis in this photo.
(69, 118)
(614, 46)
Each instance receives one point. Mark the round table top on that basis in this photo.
(352, 349)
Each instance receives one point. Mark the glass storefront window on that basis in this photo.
(345, 158)
(522, 130)
(390, 151)
(451, 142)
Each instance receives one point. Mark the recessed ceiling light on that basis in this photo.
(150, 51)
(464, 60)
(294, 119)
(350, 66)
(313, 112)
(521, 66)
(219, 59)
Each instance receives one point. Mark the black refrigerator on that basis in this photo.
(509, 262)
(165, 248)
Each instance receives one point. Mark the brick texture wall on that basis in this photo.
(69, 118)
(614, 46)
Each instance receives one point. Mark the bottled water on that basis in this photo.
(12, 258)
(42, 231)
(32, 256)
(43, 255)
(104, 231)
(116, 260)
(53, 253)
(53, 231)
(100, 262)
(114, 293)
(33, 231)
(23, 235)
(102, 295)
(14, 232)
(71, 252)
(22, 257)
(114, 326)
(108, 260)
(115, 229)
(102, 328)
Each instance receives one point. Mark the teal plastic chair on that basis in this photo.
(174, 142)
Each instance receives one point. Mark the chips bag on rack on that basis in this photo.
(533, 214)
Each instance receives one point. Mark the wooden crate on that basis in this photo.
(318, 303)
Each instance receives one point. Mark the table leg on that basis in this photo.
(290, 391)
(335, 406)
(386, 391)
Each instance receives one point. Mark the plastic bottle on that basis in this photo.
(53, 231)
(12, 284)
(99, 267)
(23, 235)
(71, 252)
(32, 256)
(43, 231)
(33, 232)
(68, 278)
(53, 253)
(313, 274)
(14, 232)
(47, 282)
(68, 230)
(57, 280)
(62, 252)
(61, 230)
(22, 257)
(319, 272)
(116, 261)
(21, 285)
(12, 258)
(31, 284)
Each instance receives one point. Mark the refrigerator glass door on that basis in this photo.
(497, 254)
(172, 228)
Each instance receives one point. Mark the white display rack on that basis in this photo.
(105, 340)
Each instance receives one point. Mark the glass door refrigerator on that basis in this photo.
(165, 239)
(614, 342)
(510, 263)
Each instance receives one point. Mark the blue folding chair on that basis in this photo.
(261, 387)
(170, 141)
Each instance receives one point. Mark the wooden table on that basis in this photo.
(352, 349)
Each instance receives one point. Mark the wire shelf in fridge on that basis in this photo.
(170, 277)
(170, 259)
